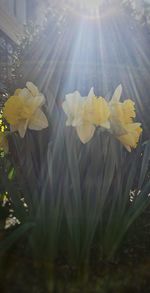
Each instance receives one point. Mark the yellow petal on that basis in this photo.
(96, 111)
(131, 139)
(128, 148)
(17, 92)
(72, 99)
(38, 121)
(73, 108)
(37, 101)
(85, 132)
(32, 88)
(91, 93)
(25, 93)
(22, 127)
(12, 109)
(117, 94)
(128, 110)
(124, 112)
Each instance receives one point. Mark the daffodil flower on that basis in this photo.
(131, 138)
(96, 111)
(73, 107)
(85, 113)
(122, 111)
(23, 110)
(122, 120)
(3, 142)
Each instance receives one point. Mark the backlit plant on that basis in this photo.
(75, 185)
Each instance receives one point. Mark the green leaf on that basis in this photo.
(11, 174)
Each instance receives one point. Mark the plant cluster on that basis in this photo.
(74, 196)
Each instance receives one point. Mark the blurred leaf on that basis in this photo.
(11, 174)
(145, 163)
(14, 236)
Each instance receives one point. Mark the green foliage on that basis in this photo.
(103, 209)
(78, 197)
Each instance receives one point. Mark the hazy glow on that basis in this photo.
(85, 7)
(101, 53)
(89, 4)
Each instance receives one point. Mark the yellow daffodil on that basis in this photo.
(3, 142)
(23, 110)
(96, 111)
(122, 120)
(73, 107)
(131, 138)
(86, 113)
(123, 112)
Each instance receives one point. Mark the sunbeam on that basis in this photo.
(88, 9)
(88, 53)
(75, 149)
